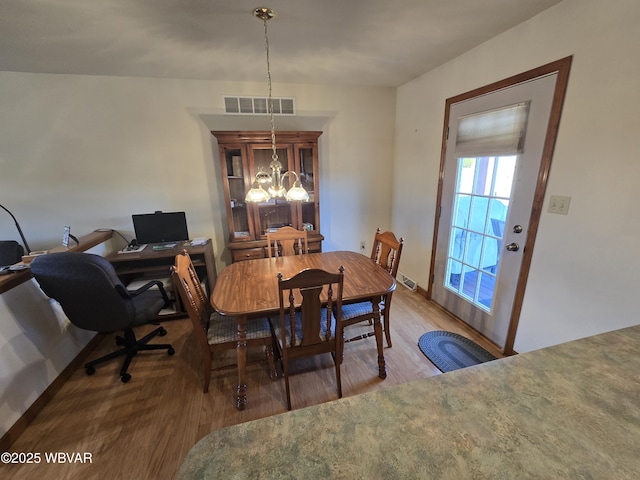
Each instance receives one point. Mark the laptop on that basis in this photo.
(160, 227)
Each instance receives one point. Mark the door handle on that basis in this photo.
(513, 247)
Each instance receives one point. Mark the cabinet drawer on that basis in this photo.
(315, 247)
(247, 254)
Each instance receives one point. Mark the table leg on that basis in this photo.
(377, 328)
(241, 397)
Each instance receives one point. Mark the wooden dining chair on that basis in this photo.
(287, 241)
(386, 252)
(215, 332)
(315, 326)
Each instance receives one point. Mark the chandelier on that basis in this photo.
(273, 180)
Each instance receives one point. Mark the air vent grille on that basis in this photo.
(258, 106)
(407, 282)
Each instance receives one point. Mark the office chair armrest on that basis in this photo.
(132, 293)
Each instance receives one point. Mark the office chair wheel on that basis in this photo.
(125, 378)
(90, 370)
(162, 332)
(171, 351)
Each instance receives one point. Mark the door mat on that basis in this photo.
(449, 351)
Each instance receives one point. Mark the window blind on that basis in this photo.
(493, 132)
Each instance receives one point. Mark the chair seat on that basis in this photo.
(225, 329)
(323, 328)
(148, 301)
(354, 310)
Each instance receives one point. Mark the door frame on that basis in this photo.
(562, 67)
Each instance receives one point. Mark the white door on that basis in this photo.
(486, 202)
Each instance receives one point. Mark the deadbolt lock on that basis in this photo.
(517, 229)
(513, 247)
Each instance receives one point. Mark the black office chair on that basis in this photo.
(10, 252)
(93, 298)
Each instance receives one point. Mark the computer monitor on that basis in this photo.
(160, 227)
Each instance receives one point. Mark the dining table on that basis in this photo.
(249, 289)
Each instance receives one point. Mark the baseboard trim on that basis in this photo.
(27, 417)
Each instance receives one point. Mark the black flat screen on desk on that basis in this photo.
(160, 227)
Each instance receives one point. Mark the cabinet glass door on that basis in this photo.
(305, 155)
(277, 212)
(237, 207)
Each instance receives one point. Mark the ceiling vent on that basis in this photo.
(258, 106)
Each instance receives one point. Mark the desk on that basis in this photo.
(564, 412)
(85, 242)
(250, 289)
(149, 261)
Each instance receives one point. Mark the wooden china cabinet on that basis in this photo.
(242, 154)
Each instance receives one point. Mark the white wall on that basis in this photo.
(89, 151)
(37, 342)
(583, 278)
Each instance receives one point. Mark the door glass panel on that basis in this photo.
(472, 249)
(480, 210)
(468, 284)
(453, 279)
(504, 171)
(486, 288)
(478, 217)
(462, 205)
(495, 225)
(457, 243)
(483, 175)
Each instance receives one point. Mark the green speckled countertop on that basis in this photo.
(571, 411)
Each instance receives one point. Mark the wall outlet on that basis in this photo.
(559, 204)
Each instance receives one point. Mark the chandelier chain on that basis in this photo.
(274, 156)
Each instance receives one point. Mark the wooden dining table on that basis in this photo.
(249, 289)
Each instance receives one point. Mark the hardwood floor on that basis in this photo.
(143, 429)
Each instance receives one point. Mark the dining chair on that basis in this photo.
(214, 332)
(308, 324)
(287, 241)
(386, 253)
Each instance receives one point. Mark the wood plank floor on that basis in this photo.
(143, 429)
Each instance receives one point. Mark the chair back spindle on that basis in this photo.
(386, 251)
(287, 241)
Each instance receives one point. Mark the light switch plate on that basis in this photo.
(559, 204)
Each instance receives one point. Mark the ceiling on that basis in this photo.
(344, 42)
